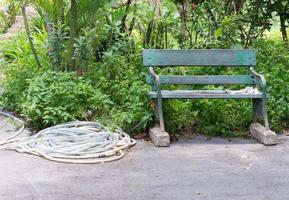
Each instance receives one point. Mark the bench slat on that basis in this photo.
(200, 57)
(203, 94)
(204, 80)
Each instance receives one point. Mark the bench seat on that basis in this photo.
(203, 94)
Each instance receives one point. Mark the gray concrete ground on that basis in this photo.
(216, 169)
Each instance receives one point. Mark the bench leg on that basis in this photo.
(264, 113)
(260, 111)
(257, 109)
(154, 105)
(160, 114)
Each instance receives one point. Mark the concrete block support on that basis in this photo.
(159, 138)
(259, 132)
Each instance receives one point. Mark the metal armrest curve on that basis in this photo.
(155, 76)
(260, 78)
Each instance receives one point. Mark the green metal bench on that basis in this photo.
(209, 57)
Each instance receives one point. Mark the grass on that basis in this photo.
(275, 34)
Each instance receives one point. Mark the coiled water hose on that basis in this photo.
(78, 142)
(18, 132)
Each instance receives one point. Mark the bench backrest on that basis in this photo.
(207, 57)
(200, 57)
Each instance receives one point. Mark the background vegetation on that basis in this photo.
(82, 60)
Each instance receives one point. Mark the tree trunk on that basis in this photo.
(73, 34)
(52, 51)
(29, 36)
(182, 9)
(123, 26)
(283, 27)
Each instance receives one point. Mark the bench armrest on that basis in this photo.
(155, 76)
(261, 81)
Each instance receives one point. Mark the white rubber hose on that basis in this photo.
(75, 142)
(20, 130)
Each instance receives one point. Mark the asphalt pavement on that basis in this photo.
(217, 169)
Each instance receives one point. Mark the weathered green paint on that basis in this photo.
(213, 57)
(200, 57)
(204, 80)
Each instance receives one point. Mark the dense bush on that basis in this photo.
(273, 62)
(47, 98)
(121, 75)
(178, 114)
(19, 66)
(223, 117)
(57, 97)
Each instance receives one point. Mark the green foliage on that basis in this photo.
(132, 106)
(7, 17)
(178, 114)
(47, 98)
(19, 66)
(3, 22)
(273, 62)
(57, 97)
(120, 74)
(223, 117)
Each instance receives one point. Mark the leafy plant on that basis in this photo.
(273, 62)
(120, 74)
(7, 17)
(57, 97)
(18, 66)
